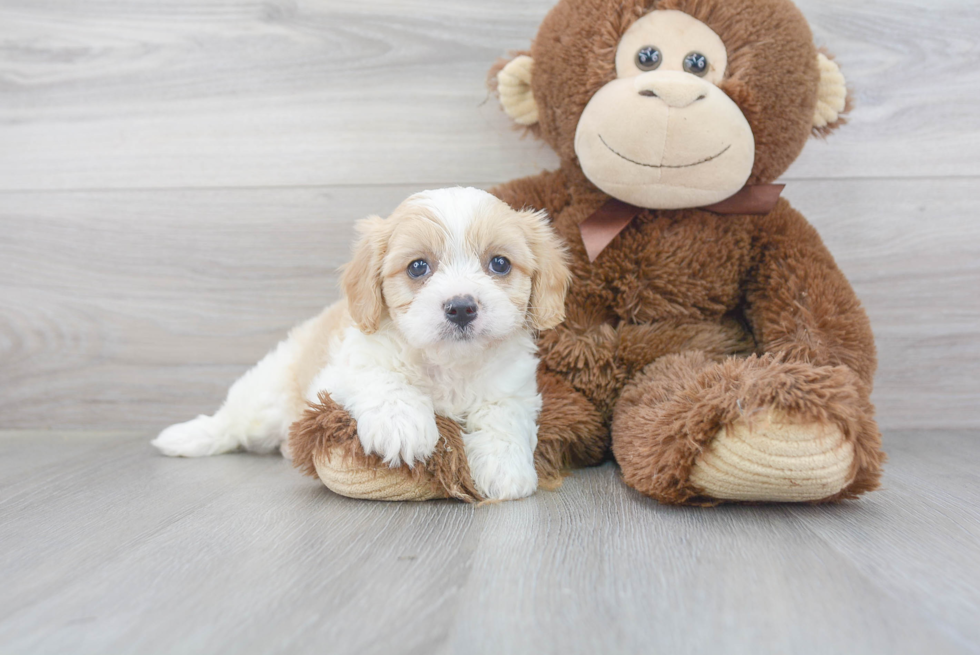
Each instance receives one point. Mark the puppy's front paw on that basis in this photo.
(505, 478)
(195, 438)
(399, 432)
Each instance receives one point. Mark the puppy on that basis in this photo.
(442, 301)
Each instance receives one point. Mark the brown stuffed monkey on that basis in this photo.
(709, 337)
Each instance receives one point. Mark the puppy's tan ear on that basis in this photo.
(551, 277)
(362, 276)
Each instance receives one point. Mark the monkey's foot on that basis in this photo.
(348, 477)
(689, 430)
(324, 444)
(772, 459)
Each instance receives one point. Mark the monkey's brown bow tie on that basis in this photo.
(599, 229)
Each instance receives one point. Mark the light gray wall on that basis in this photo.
(178, 182)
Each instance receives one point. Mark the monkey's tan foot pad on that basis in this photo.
(771, 459)
(374, 483)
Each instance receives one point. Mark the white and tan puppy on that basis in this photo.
(442, 299)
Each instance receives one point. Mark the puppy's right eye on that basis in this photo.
(500, 265)
(418, 268)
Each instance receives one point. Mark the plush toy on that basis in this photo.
(709, 339)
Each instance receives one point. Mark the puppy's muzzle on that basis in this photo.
(461, 310)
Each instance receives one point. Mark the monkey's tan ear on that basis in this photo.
(361, 280)
(514, 87)
(831, 96)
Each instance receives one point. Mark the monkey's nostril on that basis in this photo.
(648, 93)
(701, 97)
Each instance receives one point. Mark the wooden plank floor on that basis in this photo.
(110, 548)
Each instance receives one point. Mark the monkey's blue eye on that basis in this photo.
(696, 64)
(648, 58)
(418, 268)
(500, 265)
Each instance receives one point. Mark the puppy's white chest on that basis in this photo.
(453, 392)
(456, 385)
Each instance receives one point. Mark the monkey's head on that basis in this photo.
(669, 104)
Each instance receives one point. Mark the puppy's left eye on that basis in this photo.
(418, 268)
(500, 265)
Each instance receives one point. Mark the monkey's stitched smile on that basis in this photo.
(639, 163)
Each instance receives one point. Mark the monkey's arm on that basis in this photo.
(800, 305)
(547, 190)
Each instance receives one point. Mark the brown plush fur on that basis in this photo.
(685, 399)
(658, 327)
(571, 432)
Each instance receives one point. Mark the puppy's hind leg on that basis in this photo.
(255, 416)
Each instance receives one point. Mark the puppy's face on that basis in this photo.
(457, 266)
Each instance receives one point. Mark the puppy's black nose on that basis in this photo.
(461, 310)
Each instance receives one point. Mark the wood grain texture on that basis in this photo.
(138, 308)
(127, 94)
(113, 548)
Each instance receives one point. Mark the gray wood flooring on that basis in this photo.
(110, 548)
